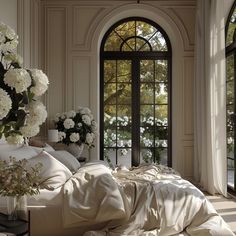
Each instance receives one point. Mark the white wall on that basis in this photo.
(8, 13)
(71, 33)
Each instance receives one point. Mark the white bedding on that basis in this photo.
(146, 201)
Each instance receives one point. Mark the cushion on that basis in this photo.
(46, 148)
(19, 152)
(67, 159)
(53, 171)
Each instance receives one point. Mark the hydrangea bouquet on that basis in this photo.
(21, 112)
(77, 127)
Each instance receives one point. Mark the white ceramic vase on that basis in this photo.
(75, 149)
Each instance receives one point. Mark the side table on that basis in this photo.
(18, 227)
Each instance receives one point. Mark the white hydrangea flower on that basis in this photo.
(69, 123)
(40, 82)
(61, 135)
(13, 58)
(63, 116)
(2, 38)
(74, 137)
(7, 31)
(29, 131)
(5, 103)
(10, 33)
(94, 126)
(86, 119)
(18, 79)
(89, 138)
(9, 46)
(15, 139)
(123, 152)
(70, 114)
(85, 111)
(37, 113)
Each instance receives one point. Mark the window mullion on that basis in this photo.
(135, 112)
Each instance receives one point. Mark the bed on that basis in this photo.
(94, 200)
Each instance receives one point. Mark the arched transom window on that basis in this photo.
(135, 93)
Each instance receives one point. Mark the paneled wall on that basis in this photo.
(70, 34)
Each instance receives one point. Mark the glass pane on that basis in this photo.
(124, 137)
(124, 157)
(230, 92)
(231, 172)
(147, 137)
(123, 111)
(161, 132)
(129, 44)
(144, 29)
(158, 42)
(110, 137)
(147, 71)
(230, 118)
(110, 71)
(109, 112)
(124, 93)
(124, 121)
(110, 93)
(161, 67)
(230, 67)
(110, 156)
(161, 96)
(163, 122)
(146, 112)
(231, 29)
(161, 156)
(146, 93)
(126, 29)
(230, 146)
(161, 112)
(142, 45)
(146, 155)
(123, 71)
(126, 47)
(113, 42)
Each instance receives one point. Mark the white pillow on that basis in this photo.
(19, 152)
(67, 159)
(53, 171)
(46, 148)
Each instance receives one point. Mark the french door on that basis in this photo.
(136, 111)
(135, 90)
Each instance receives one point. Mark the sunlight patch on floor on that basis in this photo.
(226, 207)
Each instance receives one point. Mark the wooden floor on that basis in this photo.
(226, 208)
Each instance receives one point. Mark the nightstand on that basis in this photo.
(17, 227)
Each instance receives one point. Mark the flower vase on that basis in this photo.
(17, 207)
(75, 149)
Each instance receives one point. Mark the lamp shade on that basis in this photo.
(52, 135)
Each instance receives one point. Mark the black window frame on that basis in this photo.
(231, 50)
(141, 55)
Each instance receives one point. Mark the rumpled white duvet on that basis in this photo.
(147, 200)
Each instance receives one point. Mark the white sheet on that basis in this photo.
(149, 200)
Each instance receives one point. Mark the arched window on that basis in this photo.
(135, 96)
(230, 97)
